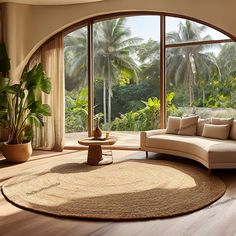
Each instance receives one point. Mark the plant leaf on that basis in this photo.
(34, 120)
(38, 108)
(46, 85)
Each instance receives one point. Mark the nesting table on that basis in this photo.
(95, 156)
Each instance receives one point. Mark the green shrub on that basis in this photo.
(76, 111)
(143, 119)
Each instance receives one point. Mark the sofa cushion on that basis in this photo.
(188, 126)
(232, 134)
(210, 150)
(193, 145)
(230, 121)
(216, 131)
(222, 152)
(222, 121)
(173, 125)
(200, 125)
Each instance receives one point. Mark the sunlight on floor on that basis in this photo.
(7, 210)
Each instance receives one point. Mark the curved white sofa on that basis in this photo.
(212, 153)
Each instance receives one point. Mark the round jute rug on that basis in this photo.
(126, 190)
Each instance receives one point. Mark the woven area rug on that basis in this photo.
(126, 190)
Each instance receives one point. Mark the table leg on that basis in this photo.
(106, 158)
(94, 155)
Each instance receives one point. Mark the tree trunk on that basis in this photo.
(109, 94)
(104, 102)
(191, 81)
(203, 97)
(190, 86)
(109, 106)
(190, 93)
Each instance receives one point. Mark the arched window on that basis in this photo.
(134, 71)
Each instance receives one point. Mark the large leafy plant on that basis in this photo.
(4, 60)
(21, 105)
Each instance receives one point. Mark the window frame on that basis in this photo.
(163, 46)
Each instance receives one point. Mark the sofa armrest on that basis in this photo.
(145, 134)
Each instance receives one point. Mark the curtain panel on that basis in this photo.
(51, 55)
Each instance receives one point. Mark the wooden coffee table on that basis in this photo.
(95, 155)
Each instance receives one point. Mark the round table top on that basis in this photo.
(91, 141)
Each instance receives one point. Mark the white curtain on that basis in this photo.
(51, 136)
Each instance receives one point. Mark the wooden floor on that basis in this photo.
(216, 219)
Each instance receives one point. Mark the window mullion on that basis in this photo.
(90, 80)
(162, 73)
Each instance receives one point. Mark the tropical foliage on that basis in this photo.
(76, 112)
(149, 56)
(21, 105)
(75, 54)
(113, 59)
(187, 64)
(146, 118)
(127, 76)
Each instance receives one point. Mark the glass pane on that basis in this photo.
(183, 30)
(126, 72)
(76, 88)
(202, 80)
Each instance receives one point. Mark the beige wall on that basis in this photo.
(29, 26)
(17, 36)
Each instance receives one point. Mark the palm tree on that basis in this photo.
(186, 63)
(227, 60)
(149, 56)
(75, 57)
(113, 55)
(113, 51)
(227, 63)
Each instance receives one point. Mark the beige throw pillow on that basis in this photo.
(200, 125)
(216, 131)
(188, 126)
(173, 125)
(222, 121)
(233, 130)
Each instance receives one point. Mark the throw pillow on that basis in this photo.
(233, 130)
(200, 125)
(222, 121)
(216, 131)
(188, 126)
(173, 125)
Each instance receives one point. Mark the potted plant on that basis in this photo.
(21, 108)
(4, 131)
(4, 70)
(4, 60)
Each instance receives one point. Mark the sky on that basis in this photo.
(149, 27)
